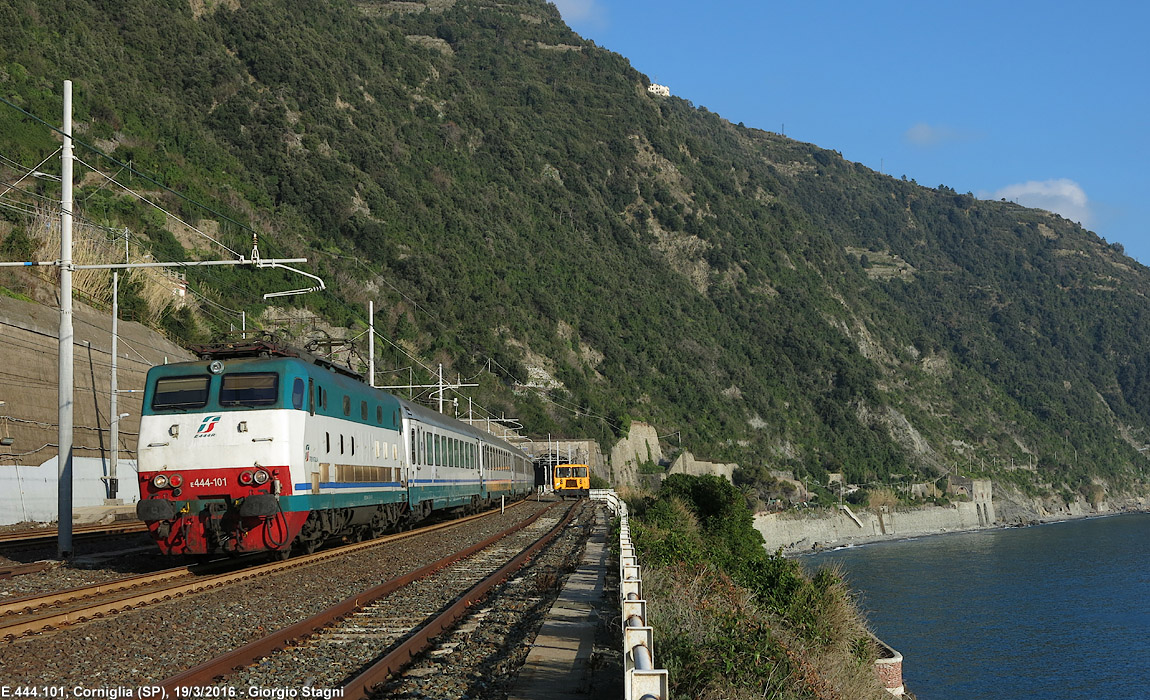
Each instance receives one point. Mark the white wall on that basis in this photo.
(30, 493)
(800, 531)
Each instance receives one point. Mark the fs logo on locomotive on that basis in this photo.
(208, 426)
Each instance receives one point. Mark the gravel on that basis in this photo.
(135, 648)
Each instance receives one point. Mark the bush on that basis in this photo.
(733, 619)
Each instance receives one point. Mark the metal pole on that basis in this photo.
(244, 325)
(441, 388)
(64, 459)
(113, 483)
(371, 344)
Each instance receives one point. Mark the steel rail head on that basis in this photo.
(211, 670)
(363, 685)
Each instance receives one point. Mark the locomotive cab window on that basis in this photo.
(297, 393)
(254, 389)
(181, 392)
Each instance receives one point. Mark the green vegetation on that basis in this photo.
(511, 197)
(734, 620)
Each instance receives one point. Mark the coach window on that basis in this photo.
(311, 396)
(363, 410)
(414, 448)
(346, 405)
(379, 414)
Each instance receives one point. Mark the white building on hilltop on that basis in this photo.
(661, 90)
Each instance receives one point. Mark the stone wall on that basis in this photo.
(803, 531)
(888, 669)
(29, 379)
(30, 414)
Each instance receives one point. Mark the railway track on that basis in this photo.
(36, 614)
(357, 644)
(45, 537)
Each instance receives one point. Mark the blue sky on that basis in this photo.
(1043, 103)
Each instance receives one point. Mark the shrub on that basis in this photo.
(733, 619)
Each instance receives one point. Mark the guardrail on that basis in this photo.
(641, 680)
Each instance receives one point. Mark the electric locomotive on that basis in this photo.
(259, 447)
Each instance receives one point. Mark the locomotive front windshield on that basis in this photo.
(568, 472)
(255, 389)
(181, 392)
(191, 392)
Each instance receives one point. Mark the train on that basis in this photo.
(260, 447)
(571, 480)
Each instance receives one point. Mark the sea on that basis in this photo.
(1058, 611)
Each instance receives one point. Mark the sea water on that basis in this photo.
(1058, 611)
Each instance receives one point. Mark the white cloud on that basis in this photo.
(926, 135)
(1061, 196)
(576, 11)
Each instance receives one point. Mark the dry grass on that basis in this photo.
(719, 643)
(882, 498)
(90, 246)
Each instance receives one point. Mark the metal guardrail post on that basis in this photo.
(642, 681)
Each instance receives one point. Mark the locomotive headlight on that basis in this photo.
(160, 481)
(261, 477)
(245, 478)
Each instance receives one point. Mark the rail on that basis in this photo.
(641, 680)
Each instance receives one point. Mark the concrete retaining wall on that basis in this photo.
(801, 532)
(30, 493)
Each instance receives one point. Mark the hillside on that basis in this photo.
(524, 212)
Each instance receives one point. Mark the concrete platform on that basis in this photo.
(562, 663)
(103, 515)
